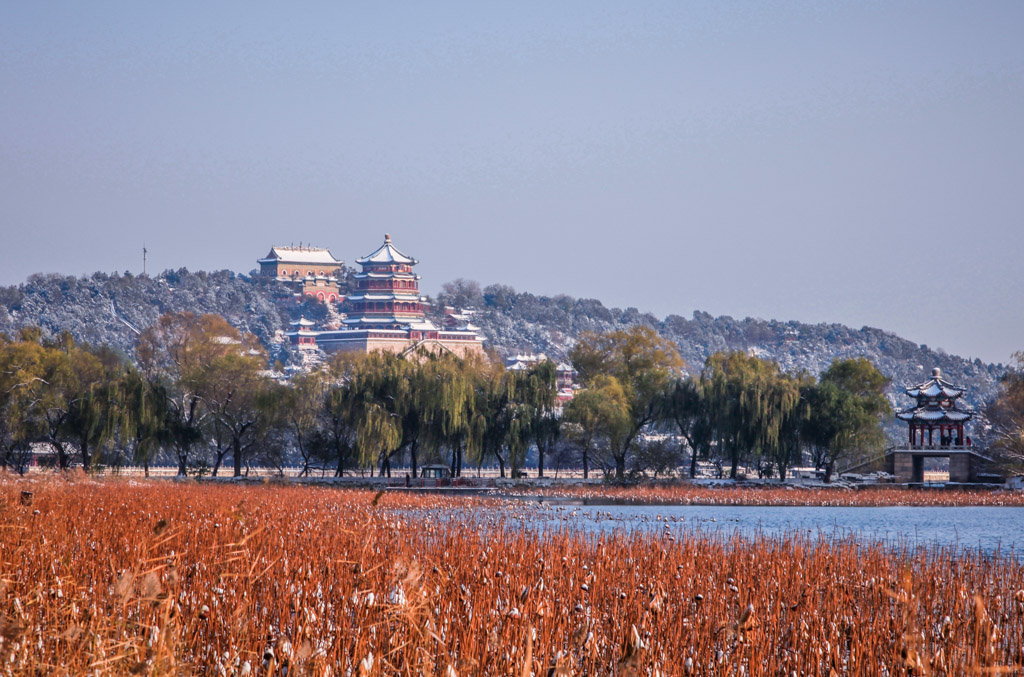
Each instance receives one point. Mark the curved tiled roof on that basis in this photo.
(936, 386)
(387, 253)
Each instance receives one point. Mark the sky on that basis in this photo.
(853, 162)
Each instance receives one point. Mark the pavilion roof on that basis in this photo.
(936, 386)
(387, 253)
(934, 415)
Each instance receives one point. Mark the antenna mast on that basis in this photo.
(144, 252)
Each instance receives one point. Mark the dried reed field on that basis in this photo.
(125, 577)
(683, 494)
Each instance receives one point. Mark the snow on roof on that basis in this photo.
(422, 325)
(387, 253)
(936, 386)
(385, 275)
(364, 319)
(315, 255)
(383, 297)
(935, 415)
(302, 322)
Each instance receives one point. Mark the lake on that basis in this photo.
(988, 529)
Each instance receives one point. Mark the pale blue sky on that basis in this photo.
(857, 162)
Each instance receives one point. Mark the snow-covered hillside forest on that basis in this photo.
(111, 309)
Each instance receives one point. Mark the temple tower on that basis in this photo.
(387, 292)
(386, 312)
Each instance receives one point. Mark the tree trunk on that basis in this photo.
(501, 465)
(412, 456)
(340, 470)
(218, 461)
(693, 462)
(86, 456)
(620, 466)
(236, 450)
(586, 464)
(540, 460)
(184, 449)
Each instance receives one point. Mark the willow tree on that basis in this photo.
(338, 423)
(597, 418)
(643, 363)
(443, 408)
(789, 404)
(686, 407)
(141, 417)
(540, 393)
(379, 386)
(487, 433)
(750, 402)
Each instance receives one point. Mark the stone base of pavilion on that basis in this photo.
(966, 466)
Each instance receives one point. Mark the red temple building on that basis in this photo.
(311, 271)
(386, 312)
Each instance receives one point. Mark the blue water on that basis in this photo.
(989, 530)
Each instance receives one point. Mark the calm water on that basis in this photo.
(989, 529)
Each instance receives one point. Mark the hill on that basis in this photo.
(110, 309)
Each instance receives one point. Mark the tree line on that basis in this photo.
(197, 393)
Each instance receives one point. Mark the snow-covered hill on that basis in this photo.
(109, 309)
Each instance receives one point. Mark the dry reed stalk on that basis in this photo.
(152, 578)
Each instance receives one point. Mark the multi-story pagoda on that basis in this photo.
(937, 419)
(937, 430)
(386, 312)
(387, 292)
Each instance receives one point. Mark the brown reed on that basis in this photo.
(128, 577)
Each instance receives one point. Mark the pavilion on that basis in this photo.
(937, 429)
